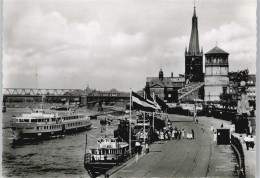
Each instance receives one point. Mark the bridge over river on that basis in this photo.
(75, 95)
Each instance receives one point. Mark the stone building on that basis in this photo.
(166, 88)
(216, 74)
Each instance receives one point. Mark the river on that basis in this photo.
(57, 157)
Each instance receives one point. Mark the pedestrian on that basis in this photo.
(215, 137)
(173, 134)
(251, 142)
(179, 134)
(147, 148)
(202, 128)
(212, 128)
(192, 131)
(183, 133)
(176, 133)
(246, 139)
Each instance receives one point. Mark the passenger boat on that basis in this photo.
(109, 152)
(38, 124)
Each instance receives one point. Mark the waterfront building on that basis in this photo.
(216, 74)
(166, 88)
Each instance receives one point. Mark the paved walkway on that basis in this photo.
(200, 157)
(250, 155)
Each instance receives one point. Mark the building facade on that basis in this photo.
(166, 88)
(216, 74)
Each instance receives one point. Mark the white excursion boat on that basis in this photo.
(38, 124)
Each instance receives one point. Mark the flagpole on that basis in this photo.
(144, 126)
(144, 117)
(130, 141)
(153, 112)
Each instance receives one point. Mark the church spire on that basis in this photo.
(194, 38)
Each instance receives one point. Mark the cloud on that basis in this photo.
(76, 43)
(238, 41)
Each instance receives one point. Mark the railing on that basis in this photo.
(240, 155)
(120, 158)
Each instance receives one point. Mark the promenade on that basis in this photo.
(200, 157)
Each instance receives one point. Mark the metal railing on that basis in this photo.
(241, 157)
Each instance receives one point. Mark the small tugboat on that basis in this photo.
(109, 152)
(38, 124)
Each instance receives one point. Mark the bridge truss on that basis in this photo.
(35, 91)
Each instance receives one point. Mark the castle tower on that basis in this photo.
(194, 56)
(216, 74)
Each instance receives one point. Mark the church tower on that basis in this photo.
(194, 56)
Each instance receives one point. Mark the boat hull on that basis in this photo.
(23, 133)
(98, 167)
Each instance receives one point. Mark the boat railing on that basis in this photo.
(120, 157)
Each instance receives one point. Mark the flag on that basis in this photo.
(142, 103)
(153, 102)
(161, 103)
(137, 101)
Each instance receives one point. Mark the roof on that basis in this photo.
(166, 82)
(194, 38)
(217, 50)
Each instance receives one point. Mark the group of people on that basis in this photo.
(173, 133)
(140, 134)
(177, 134)
(250, 143)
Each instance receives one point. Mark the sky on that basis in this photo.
(117, 43)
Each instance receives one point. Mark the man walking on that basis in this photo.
(192, 131)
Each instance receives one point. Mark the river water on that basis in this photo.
(57, 157)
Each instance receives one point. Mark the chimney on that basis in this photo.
(172, 74)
